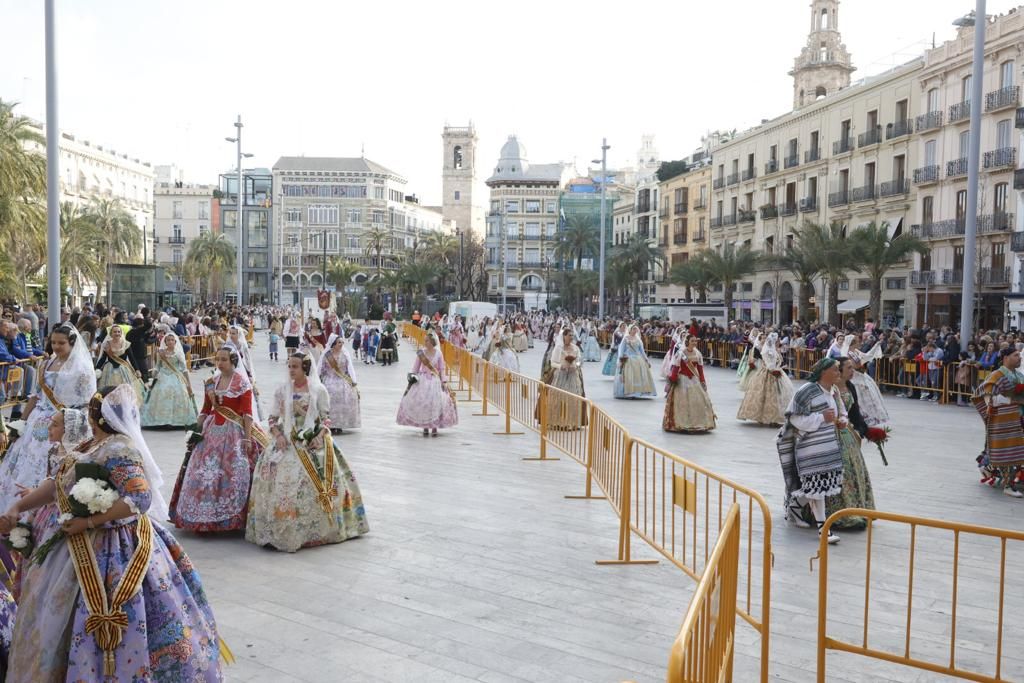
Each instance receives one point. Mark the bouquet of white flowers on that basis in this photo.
(92, 494)
(307, 436)
(20, 539)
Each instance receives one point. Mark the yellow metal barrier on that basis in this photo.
(942, 569)
(704, 649)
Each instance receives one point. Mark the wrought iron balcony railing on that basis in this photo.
(809, 204)
(870, 137)
(843, 146)
(932, 119)
(771, 167)
(1002, 98)
(959, 111)
(864, 193)
(891, 188)
(791, 161)
(899, 129)
(926, 174)
(998, 158)
(957, 167)
(749, 174)
(838, 198)
(813, 154)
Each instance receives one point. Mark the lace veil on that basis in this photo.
(121, 411)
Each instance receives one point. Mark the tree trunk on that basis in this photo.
(727, 294)
(876, 300)
(833, 303)
(804, 304)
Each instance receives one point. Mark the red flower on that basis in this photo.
(877, 434)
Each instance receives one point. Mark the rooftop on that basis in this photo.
(333, 164)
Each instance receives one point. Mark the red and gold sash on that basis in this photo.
(178, 373)
(430, 366)
(326, 490)
(333, 363)
(231, 416)
(48, 392)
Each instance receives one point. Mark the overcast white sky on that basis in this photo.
(164, 80)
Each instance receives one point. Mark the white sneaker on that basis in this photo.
(793, 517)
(832, 538)
(1013, 493)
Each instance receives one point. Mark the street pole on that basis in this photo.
(973, 154)
(52, 171)
(461, 247)
(600, 278)
(323, 277)
(239, 216)
(298, 284)
(504, 261)
(280, 255)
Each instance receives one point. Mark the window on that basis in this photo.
(495, 206)
(549, 206)
(998, 255)
(353, 242)
(378, 193)
(933, 99)
(549, 229)
(929, 152)
(203, 229)
(323, 214)
(176, 233)
(176, 209)
(458, 195)
(961, 207)
(896, 283)
(511, 282)
(927, 210)
(230, 221)
(258, 259)
(293, 216)
(354, 215)
(965, 89)
(533, 230)
(958, 258)
(965, 142)
(258, 229)
(494, 282)
(177, 257)
(204, 209)
(379, 216)
(532, 206)
(512, 229)
(457, 161)
(1006, 74)
(1003, 132)
(926, 260)
(999, 205)
(315, 241)
(863, 284)
(844, 285)
(512, 206)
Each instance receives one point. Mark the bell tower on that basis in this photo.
(823, 67)
(459, 177)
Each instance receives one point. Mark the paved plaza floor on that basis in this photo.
(477, 568)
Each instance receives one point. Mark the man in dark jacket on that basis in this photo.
(140, 336)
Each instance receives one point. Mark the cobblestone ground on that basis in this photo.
(478, 569)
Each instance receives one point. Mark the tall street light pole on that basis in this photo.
(239, 218)
(973, 154)
(600, 277)
(52, 171)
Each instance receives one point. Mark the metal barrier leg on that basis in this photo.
(542, 403)
(483, 400)
(625, 511)
(588, 486)
(508, 408)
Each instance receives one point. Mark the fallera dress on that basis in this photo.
(768, 392)
(171, 634)
(611, 361)
(564, 410)
(169, 402)
(634, 378)
(427, 404)
(591, 349)
(115, 369)
(687, 406)
(338, 376)
(212, 490)
(284, 507)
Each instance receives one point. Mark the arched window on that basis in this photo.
(316, 280)
(457, 157)
(820, 92)
(823, 52)
(532, 283)
(824, 20)
(303, 280)
(287, 280)
(766, 291)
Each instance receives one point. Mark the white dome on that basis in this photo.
(512, 160)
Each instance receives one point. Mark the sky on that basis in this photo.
(165, 81)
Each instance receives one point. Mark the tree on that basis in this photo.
(418, 276)
(378, 240)
(79, 260)
(801, 260)
(578, 238)
(210, 257)
(443, 248)
(341, 272)
(730, 265)
(120, 236)
(878, 253)
(22, 199)
(692, 274)
(831, 250)
(638, 256)
(670, 169)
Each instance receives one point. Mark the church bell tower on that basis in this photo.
(459, 178)
(823, 67)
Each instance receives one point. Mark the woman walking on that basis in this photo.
(611, 363)
(170, 402)
(428, 403)
(564, 410)
(688, 407)
(114, 366)
(338, 374)
(769, 390)
(634, 378)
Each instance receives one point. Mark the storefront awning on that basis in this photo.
(852, 306)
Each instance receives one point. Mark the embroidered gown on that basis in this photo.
(591, 349)
(284, 511)
(520, 342)
(856, 492)
(25, 463)
(171, 633)
(688, 407)
(503, 356)
(611, 363)
(427, 403)
(113, 373)
(339, 379)
(8, 608)
(634, 378)
(566, 411)
(768, 393)
(212, 490)
(169, 402)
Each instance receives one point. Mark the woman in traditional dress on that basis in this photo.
(611, 363)
(457, 333)
(591, 349)
(688, 407)
(237, 341)
(565, 412)
(303, 492)
(998, 400)
(114, 366)
(634, 378)
(870, 404)
(769, 390)
(170, 402)
(751, 361)
(428, 403)
(67, 380)
(520, 339)
(503, 354)
(212, 490)
(315, 340)
(158, 623)
(675, 344)
(338, 374)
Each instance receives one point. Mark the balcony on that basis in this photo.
(716, 222)
(952, 277)
(960, 111)
(729, 219)
(1017, 241)
(932, 119)
(699, 237)
(792, 161)
(957, 167)
(1019, 118)
(922, 278)
(864, 193)
(680, 208)
(718, 183)
(1000, 158)
(176, 239)
(843, 146)
(812, 155)
(926, 174)
(679, 237)
(664, 212)
(1002, 98)
(771, 167)
(769, 212)
(733, 179)
(701, 203)
(892, 188)
(987, 224)
(156, 239)
(749, 174)
(1000, 221)
(787, 209)
(1018, 179)
(808, 204)
(746, 216)
(898, 129)
(871, 137)
(994, 277)
(838, 198)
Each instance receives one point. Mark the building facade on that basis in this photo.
(522, 227)
(257, 233)
(940, 177)
(460, 204)
(684, 220)
(181, 213)
(824, 65)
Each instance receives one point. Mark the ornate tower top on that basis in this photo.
(824, 65)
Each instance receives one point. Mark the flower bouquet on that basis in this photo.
(306, 437)
(776, 373)
(92, 494)
(878, 436)
(20, 539)
(411, 378)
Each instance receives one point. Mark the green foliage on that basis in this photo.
(671, 169)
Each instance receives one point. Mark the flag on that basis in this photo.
(899, 229)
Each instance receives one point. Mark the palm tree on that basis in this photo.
(418, 276)
(443, 247)
(692, 274)
(120, 235)
(378, 240)
(878, 253)
(22, 197)
(800, 259)
(638, 256)
(832, 251)
(578, 237)
(392, 282)
(79, 260)
(730, 265)
(341, 272)
(619, 278)
(209, 257)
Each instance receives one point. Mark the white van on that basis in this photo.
(468, 309)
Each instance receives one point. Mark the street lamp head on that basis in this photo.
(231, 139)
(246, 155)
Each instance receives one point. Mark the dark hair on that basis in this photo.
(305, 360)
(1006, 352)
(96, 409)
(232, 354)
(68, 331)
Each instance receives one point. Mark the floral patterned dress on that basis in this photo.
(339, 379)
(171, 633)
(284, 511)
(114, 374)
(212, 490)
(857, 492)
(169, 403)
(8, 608)
(427, 403)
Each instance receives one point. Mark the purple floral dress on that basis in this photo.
(171, 634)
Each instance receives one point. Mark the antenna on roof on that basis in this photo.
(362, 149)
